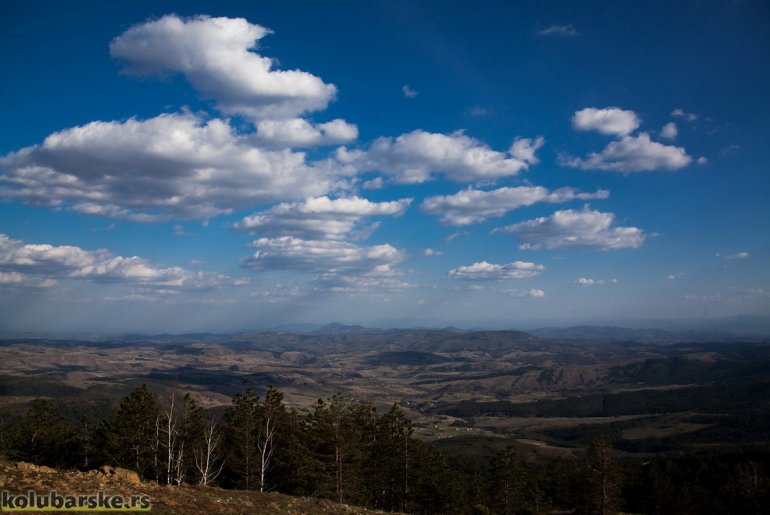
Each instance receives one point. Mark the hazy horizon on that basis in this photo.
(758, 327)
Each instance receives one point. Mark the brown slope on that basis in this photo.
(20, 478)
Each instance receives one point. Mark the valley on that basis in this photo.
(550, 392)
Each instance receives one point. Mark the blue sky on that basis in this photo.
(188, 166)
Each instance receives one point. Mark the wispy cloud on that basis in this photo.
(478, 111)
(681, 113)
(532, 293)
(408, 91)
(559, 30)
(587, 281)
(455, 235)
(179, 230)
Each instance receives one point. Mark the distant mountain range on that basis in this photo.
(335, 331)
(610, 334)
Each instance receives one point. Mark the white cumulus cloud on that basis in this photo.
(321, 256)
(482, 271)
(524, 149)
(43, 263)
(611, 121)
(570, 229)
(632, 154)
(319, 217)
(413, 157)
(669, 131)
(298, 132)
(218, 57)
(168, 167)
(473, 206)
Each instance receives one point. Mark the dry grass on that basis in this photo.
(168, 500)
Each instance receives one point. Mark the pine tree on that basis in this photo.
(509, 482)
(5, 426)
(85, 442)
(435, 487)
(336, 436)
(394, 433)
(241, 421)
(131, 433)
(43, 436)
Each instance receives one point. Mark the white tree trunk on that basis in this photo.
(265, 446)
(205, 458)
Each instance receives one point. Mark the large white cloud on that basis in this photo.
(38, 264)
(415, 156)
(484, 271)
(473, 206)
(217, 56)
(633, 154)
(611, 120)
(570, 229)
(170, 166)
(321, 256)
(297, 132)
(319, 217)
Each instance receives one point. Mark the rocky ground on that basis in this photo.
(20, 478)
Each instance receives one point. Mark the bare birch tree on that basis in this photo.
(206, 460)
(170, 433)
(271, 410)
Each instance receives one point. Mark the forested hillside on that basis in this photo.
(349, 452)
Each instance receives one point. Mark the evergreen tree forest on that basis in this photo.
(347, 451)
